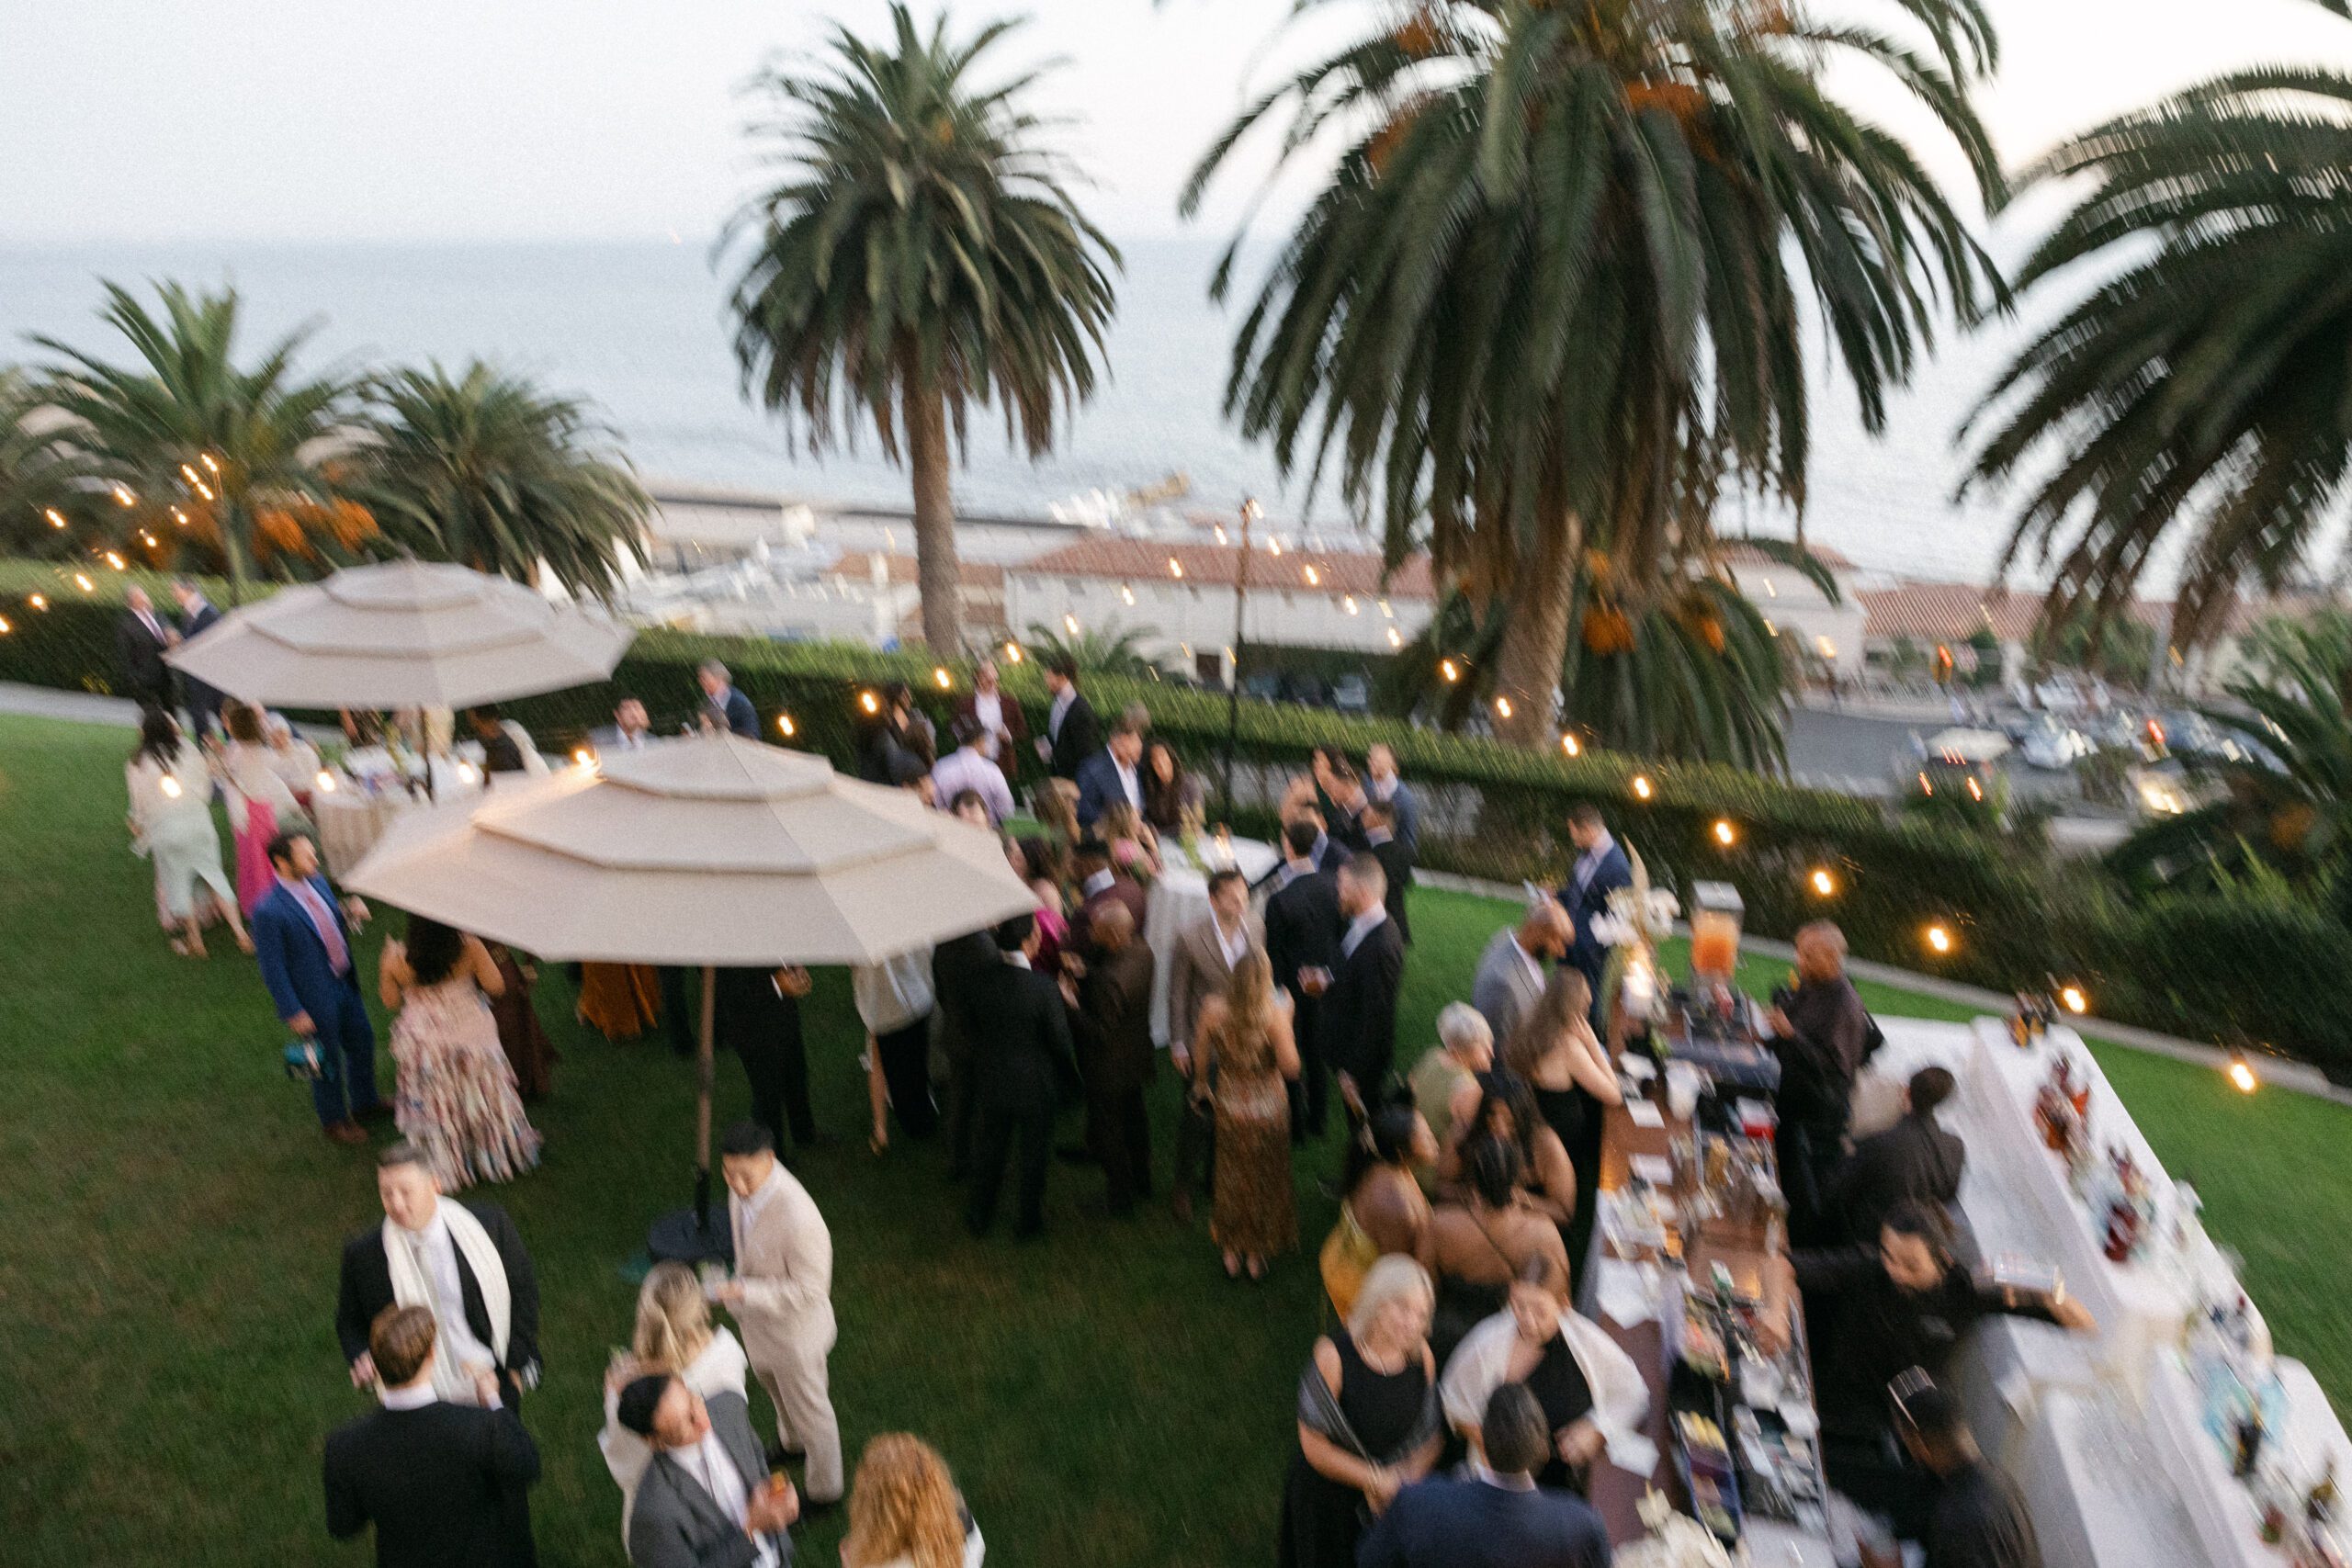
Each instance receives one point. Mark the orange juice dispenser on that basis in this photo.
(1715, 912)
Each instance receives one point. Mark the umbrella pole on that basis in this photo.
(704, 1074)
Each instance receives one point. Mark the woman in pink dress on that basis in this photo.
(260, 805)
(457, 1099)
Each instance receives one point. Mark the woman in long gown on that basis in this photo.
(1556, 1052)
(261, 807)
(1245, 1045)
(170, 786)
(1368, 1420)
(528, 1050)
(457, 1099)
(620, 1002)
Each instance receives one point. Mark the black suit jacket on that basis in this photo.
(444, 1486)
(141, 651)
(959, 971)
(751, 1014)
(1303, 929)
(367, 1290)
(1080, 738)
(1913, 1160)
(1357, 1024)
(1024, 1049)
(202, 699)
(1112, 1024)
(1396, 858)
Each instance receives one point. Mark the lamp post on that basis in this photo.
(1250, 513)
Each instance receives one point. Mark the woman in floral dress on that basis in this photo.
(457, 1099)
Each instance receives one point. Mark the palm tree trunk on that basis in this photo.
(1527, 667)
(935, 567)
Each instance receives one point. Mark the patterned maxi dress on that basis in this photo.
(1255, 1208)
(457, 1099)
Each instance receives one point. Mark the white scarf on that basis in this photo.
(411, 1288)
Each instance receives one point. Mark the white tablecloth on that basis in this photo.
(351, 819)
(1179, 900)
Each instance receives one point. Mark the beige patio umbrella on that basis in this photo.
(708, 851)
(404, 634)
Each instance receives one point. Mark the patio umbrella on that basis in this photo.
(704, 851)
(404, 634)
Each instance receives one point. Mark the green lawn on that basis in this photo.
(1106, 1397)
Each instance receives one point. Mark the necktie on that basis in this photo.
(323, 919)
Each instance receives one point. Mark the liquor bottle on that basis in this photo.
(2319, 1504)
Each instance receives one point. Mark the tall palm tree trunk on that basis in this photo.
(1535, 642)
(935, 567)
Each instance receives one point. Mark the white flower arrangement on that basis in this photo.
(1676, 1539)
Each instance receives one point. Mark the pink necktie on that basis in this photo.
(338, 954)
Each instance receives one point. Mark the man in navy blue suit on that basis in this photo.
(303, 936)
(1497, 1518)
(1109, 778)
(197, 614)
(725, 705)
(1600, 870)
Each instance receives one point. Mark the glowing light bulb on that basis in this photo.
(1126, 594)
(1069, 625)
(2242, 1074)
(1641, 787)
(1568, 744)
(1274, 547)
(1349, 604)
(583, 757)
(1012, 652)
(939, 674)
(1938, 937)
(1313, 578)
(123, 497)
(1725, 833)
(1396, 637)
(38, 601)
(56, 518)
(1447, 668)
(869, 702)
(784, 724)
(1824, 884)
(115, 560)
(81, 581)
(1176, 567)
(2075, 1000)
(325, 781)
(209, 463)
(1502, 708)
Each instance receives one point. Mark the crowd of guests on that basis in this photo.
(1455, 1411)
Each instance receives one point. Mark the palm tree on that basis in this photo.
(921, 255)
(485, 469)
(1553, 298)
(2206, 383)
(190, 445)
(1109, 650)
(36, 491)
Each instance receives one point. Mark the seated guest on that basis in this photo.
(1903, 1304)
(446, 1486)
(1506, 1110)
(1382, 1212)
(1510, 972)
(1590, 1391)
(1495, 1515)
(464, 1263)
(1445, 1081)
(1396, 858)
(1820, 1038)
(706, 1499)
(1477, 1246)
(1913, 1161)
(904, 1510)
(673, 1336)
(1368, 1421)
(971, 767)
(1977, 1520)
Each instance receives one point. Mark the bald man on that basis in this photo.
(1510, 972)
(1821, 1033)
(1111, 1025)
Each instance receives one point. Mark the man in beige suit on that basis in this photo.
(782, 1296)
(1205, 957)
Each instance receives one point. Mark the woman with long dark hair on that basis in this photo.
(171, 822)
(1382, 1211)
(457, 1099)
(1167, 788)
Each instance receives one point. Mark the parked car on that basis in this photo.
(2052, 746)
(1351, 693)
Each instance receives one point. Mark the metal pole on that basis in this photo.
(703, 1084)
(1249, 510)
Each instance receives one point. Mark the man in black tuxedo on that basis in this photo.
(1111, 1023)
(959, 977)
(1303, 944)
(1396, 858)
(446, 1486)
(465, 1263)
(758, 1018)
(1072, 732)
(1358, 1019)
(1021, 1058)
(197, 614)
(139, 639)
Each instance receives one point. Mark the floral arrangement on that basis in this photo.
(1676, 1541)
(1639, 915)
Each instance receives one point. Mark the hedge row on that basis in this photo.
(2259, 968)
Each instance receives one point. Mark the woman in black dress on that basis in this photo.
(1165, 788)
(1367, 1419)
(1586, 1385)
(1477, 1247)
(1568, 1070)
(1507, 1109)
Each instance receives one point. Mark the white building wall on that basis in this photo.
(1793, 606)
(1184, 620)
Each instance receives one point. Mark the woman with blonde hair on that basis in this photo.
(1368, 1420)
(673, 1334)
(904, 1511)
(1244, 1047)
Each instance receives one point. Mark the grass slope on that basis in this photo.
(172, 1220)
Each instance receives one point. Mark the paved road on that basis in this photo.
(1856, 755)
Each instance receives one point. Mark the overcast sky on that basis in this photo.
(531, 119)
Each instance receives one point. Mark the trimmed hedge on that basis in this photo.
(2256, 967)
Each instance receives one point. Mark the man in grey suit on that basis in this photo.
(707, 1500)
(1199, 969)
(1510, 972)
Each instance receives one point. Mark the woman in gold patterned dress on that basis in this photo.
(1247, 1049)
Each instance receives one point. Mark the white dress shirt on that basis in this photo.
(1233, 944)
(458, 1354)
(708, 1463)
(1535, 965)
(1360, 928)
(988, 708)
(415, 1396)
(1589, 861)
(1131, 781)
(1060, 711)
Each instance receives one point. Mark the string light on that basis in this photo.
(1447, 668)
(2075, 1000)
(5, 628)
(123, 495)
(1939, 938)
(869, 702)
(1976, 790)
(1568, 744)
(38, 601)
(1274, 547)
(1502, 708)
(1349, 604)
(1824, 884)
(1220, 534)
(1069, 625)
(1176, 567)
(207, 460)
(1396, 637)
(115, 560)
(1126, 594)
(179, 517)
(1641, 786)
(784, 724)
(1012, 652)
(1313, 578)
(56, 519)
(945, 682)
(1725, 834)
(2242, 1077)
(81, 581)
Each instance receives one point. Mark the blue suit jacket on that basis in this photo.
(293, 959)
(1098, 786)
(742, 719)
(1612, 873)
(1474, 1524)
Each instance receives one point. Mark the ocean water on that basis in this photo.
(641, 329)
